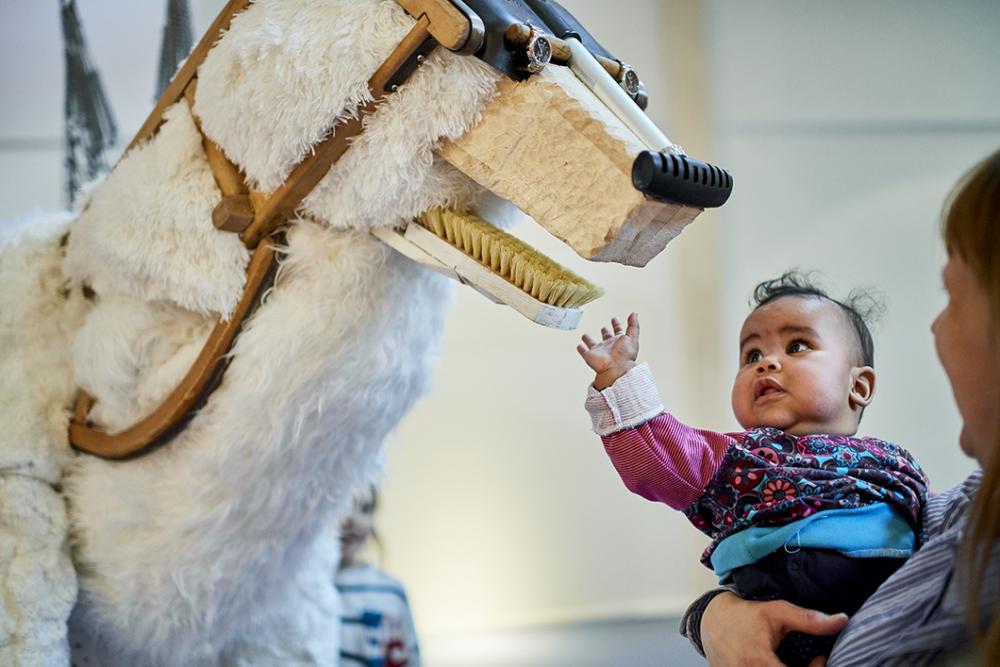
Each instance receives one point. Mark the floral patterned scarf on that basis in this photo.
(771, 478)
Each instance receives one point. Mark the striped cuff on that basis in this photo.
(691, 622)
(632, 400)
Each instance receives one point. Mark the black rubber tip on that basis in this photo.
(681, 180)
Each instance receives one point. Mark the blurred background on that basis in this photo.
(844, 125)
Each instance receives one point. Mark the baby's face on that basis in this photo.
(798, 362)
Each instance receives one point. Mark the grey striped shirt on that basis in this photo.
(918, 616)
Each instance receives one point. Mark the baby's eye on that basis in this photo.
(797, 346)
(753, 356)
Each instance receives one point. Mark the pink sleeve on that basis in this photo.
(666, 461)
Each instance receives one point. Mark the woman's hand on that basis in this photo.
(745, 633)
(615, 354)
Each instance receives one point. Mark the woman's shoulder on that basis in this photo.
(971, 483)
(915, 613)
(946, 509)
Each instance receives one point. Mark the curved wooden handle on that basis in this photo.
(200, 380)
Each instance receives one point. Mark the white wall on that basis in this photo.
(844, 124)
(124, 44)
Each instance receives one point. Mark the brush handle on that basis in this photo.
(427, 248)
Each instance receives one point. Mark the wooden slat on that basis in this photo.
(227, 175)
(84, 402)
(283, 201)
(175, 90)
(184, 398)
(257, 199)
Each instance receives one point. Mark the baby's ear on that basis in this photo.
(862, 386)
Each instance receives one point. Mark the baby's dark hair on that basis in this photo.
(860, 307)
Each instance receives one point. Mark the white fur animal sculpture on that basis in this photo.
(218, 547)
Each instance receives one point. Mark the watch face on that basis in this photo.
(541, 51)
(630, 82)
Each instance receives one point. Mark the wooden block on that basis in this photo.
(449, 26)
(233, 214)
(550, 132)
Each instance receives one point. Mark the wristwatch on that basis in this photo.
(538, 49)
(628, 80)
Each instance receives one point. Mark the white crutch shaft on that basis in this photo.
(597, 79)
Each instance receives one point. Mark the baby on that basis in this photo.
(798, 507)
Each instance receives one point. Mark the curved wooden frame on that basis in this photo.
(255, 216)
(203, 376)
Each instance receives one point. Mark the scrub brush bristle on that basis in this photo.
(510, 258)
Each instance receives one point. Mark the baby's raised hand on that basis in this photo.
(615, 354)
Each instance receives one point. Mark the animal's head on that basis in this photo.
(364, 115)
(468, 112)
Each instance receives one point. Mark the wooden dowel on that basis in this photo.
(227, 175)
(518, 34)
(449, 26)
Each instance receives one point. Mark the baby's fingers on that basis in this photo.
(605, 334)
(633, 325)
(591, 358)
(588, 341)
(616, 326)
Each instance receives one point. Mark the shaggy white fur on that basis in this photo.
(147, 231)
(38, 313)
(296, 67)
(190, 551)
(220, 548)
(220, 524)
